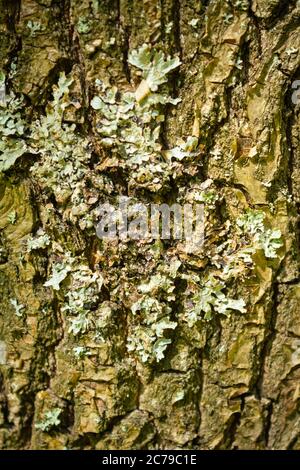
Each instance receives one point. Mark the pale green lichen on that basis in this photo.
(81, 297)
(154, 65)
(81, 352)
(34, 27)
(59, 272)
(83, 25)
(227, 18)
(242, 5)
(209, 298)
(252, 221)
(40, 241)
(10, 151)
(12, 217)
(130, 122)
(194, 22)
(183, 150)
(148, 337)
(64, 154)
(269, 240)
(12, 128)
(50, 420)
(84, 288)
(19, 308)
(79, 324)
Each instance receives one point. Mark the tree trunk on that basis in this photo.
(148, 344)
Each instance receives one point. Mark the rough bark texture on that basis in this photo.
(228, 383)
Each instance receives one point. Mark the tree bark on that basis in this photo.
(231, 382)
